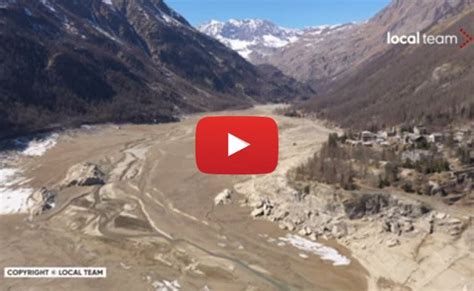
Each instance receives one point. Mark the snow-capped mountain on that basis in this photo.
(251, 38)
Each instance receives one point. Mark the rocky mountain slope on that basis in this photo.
(251, 38)
(429, 84)
(321, 61)
(69, 62)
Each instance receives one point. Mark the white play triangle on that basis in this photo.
(235, 144)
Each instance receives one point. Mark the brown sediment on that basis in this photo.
(156, 216)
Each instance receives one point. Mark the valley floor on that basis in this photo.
(154, 219)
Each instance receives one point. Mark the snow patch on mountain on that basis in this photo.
(4, 4)
(313, 36)
(48, 5)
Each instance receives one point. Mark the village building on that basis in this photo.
(367, 136)
(420, 130)
(435, 138)
(461, 135)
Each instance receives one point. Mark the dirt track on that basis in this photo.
(155, 220)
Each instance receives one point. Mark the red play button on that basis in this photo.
(236, 145)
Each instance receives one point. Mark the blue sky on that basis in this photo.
(287, 13)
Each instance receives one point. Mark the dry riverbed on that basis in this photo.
(152, 222)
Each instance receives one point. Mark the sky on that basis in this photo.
(286, 13)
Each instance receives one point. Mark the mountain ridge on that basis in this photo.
(322, 63)
(414, 84)
(251, 38)
(66, 63)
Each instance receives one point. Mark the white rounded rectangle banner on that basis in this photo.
(54, 272)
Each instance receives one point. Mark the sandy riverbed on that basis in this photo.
(154, 220)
